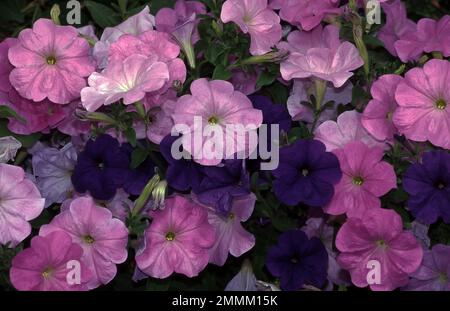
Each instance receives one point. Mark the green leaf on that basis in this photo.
(6, 112)
(103, 15)
(27, 141)
(266, 78)
(138, 156)
(130, 134)
(156, 5)
(221, 73)
(122, 6)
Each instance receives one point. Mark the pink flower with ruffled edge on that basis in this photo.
(397, 25)
(5, 65)
(257, 19)
(306, 13)
(430, 36)
(44, 265)
(365, 179)
(103, 238)
(378, 236)
(320, 54)
(423, 98)
(231, 236)
(134, 25)
(129, 80)
(377, 116)
(20, 202)
(347, 128)
(178, 240)
(217, 105)
(51, 62)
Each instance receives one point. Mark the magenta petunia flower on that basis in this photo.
(47, 264)
(51, 62)
(5, 65)
(216, 104)
(430, 36)
(346, 129)
(378, 241)
(306, 13)
(128, 80)
(424, 104)
(397, 25)
(20, 202)
(365, 179)
(257, 19)
(178, 240)
(103, 238)
(320, 54)
(231, 236)
(377, 116)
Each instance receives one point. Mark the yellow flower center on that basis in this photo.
(358, 181)
(51, 60)
(170, 236)
(441, 104)
(88, 239)
(213, 120)
(47, 273)
(231, 216)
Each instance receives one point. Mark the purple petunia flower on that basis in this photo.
(428, 184)
(307, 173)
(297, 260)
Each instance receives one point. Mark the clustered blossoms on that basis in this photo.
(223, 133)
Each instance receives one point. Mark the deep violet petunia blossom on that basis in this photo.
(178, 240)
(377, 116)
(428, 186)
(423, 98)
(50, 61)
(434, 272)
(306, 173)
(297, 260)
(103, 238)
(20, 202)
(378, 236)
(257, 19)
(365, 179)
(45, 265)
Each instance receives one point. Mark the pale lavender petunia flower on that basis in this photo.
(8, 148)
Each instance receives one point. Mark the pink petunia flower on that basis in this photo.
(5, 65)
(103, 238)
(377, 116)
(365, 179)
(216, 105)
(128, 80)
(231, 236)
(320, 54)
(20, 202)
(430, 36)
(51, 62)
(306, 13)
(72, 125)
(47, 264)
(377, 240)
(134, 25)
(346, 129)
(178, 240)
(424, 104)
(257, 19)
(397, 25)
(160, 122)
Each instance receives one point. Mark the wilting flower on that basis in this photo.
(430, 36)
(320, 54)
(298, 261)
(103, 238)
(424, 104)
(428, 186)
(397, 25)
(346, 129)
(8, 148)
(255, 18)
(20, 202)
(306, 173)
(213, 107)
(128, 80)
(135, 25)
(51, 62)
(231, 237)
(365, 179)
(178, 240)
(45, 265)
(5, 65)
(377, 117)
(434, 273)
(53, 169)
(378, 237)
